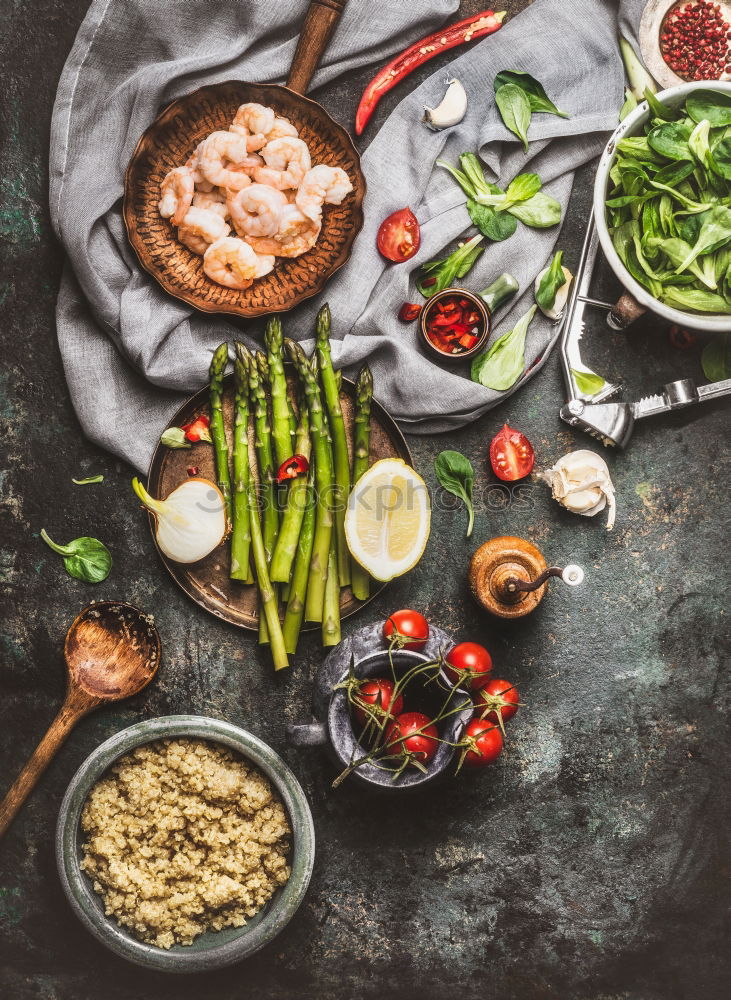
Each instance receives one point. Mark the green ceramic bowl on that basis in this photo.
(214, 949)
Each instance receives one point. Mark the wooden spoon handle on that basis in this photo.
(319, 25)
(71, 711)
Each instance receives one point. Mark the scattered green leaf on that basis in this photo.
(85, 558)
(502, 364)
(452, 268)
(89, 481)
(552, 280)
(515, 111)
(538, 99)
(588, 383)
(456, 475)
(716, 358)
(174, 437)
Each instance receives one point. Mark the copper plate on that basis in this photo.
(168, 143)
(207, 581)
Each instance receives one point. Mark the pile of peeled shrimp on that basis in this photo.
(257, 178)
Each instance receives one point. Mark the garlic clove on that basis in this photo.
(581, 483)
(562, 295)
(450, 110)
(190, 522)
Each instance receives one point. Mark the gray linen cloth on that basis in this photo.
(131, 353)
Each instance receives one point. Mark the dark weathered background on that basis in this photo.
(591, 862)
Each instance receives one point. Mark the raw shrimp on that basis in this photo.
(287, 161)
(200, 228)
(220, 160)
(177, 194)
(280, 128)
(257, 210)
(191, 163)
(296, 235)
(253, 122)
(212, 201)
(232, 262)
(322, 184)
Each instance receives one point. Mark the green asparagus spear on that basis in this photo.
(331, 609)
(265, 458)
(281, 434)
(300, 574)
(241, 536)
(269, 608)
(323, 484)
(289, 532)
(361, 448)
(218, 429)
(341, 459)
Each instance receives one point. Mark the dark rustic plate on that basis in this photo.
(207, 581)
(168, 143)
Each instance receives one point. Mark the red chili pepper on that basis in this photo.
(192, 470)
(408, 312)
(468, 341)
(197, 430)
(473, 27)
(428, 282)
(295, 466)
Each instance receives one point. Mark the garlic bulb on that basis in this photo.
(556, 310)
(451, 110)
(581, 483)
(190, 522)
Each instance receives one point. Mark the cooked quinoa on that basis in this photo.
(182, 837)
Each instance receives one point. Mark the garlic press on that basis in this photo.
(611, 422)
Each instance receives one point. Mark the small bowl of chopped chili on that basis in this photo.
(454, 325)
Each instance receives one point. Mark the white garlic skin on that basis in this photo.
(450, 110)
(562, 295)
(581, 483)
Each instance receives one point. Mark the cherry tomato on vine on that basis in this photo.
(420, 736)
(405, 625)
(497, 695)
(377, 691)
(511, 454)
(484, 743)
(468, 658)
(399, 236)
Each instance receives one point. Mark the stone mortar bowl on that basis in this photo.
(368, 653)
(214, 949)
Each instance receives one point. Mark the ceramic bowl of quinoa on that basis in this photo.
(184, 843)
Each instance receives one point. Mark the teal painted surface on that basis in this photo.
(590, 864)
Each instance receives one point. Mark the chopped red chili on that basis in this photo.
(453, 325)
(409, 311)
(192, 470)
(197, 430)
(295, 466)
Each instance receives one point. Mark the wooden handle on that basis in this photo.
(626, 310)
(73, 709)
(319, 25)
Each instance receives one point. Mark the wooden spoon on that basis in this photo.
(112, 651)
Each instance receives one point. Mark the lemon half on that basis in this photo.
(388, 519)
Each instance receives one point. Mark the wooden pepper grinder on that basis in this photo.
(509, 576)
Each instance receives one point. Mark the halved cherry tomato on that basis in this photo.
(297, 465)
(197, 430)
(511, 454)
(468, 661)
(406, 625)
(408, 312)
(413, 733)
(495, 697)
(483, 743)
(399, 236)
(378, 693)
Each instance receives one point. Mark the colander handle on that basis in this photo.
(320, 21)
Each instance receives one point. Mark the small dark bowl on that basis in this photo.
(484, 312)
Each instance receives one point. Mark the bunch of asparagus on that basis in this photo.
(293, 534)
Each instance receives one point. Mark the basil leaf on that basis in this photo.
(540, 212)
(716, 358)
(497, 226)
(670, 140)
(514, 109)
(550, 283)
(174, 437)
(538, 99)
(89, 481)
(451, 269)
(523, 187)
(456, 475)
(85, 558)
(588, 383)
(711, 105)
(501, 365)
